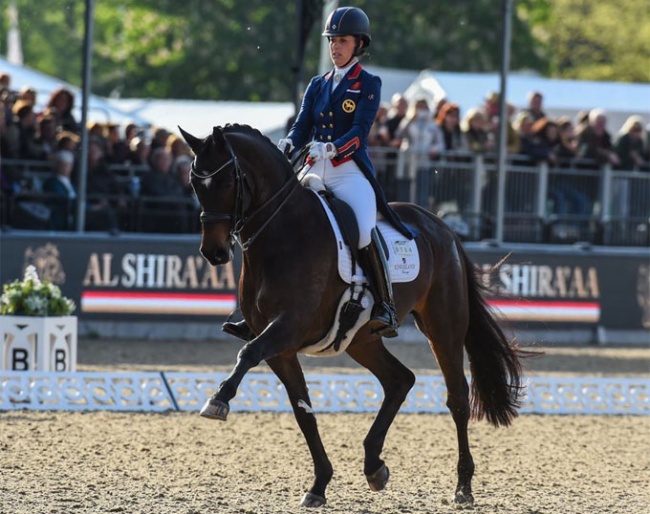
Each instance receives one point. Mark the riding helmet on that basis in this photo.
(348, 21)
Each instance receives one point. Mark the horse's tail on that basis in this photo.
(496, 389)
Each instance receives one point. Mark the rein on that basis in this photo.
(239, 220)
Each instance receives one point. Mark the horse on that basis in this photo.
(289, 292)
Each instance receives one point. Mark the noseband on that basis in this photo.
(238, 218)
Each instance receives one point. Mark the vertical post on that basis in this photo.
(503, 121)
(87, 73)
(325, 63)
(542, 191)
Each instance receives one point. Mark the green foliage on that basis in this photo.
(33, 297)
(596, 40)
(230, 50)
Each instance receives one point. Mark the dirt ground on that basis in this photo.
(63, 462)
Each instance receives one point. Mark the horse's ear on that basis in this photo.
(194, 142)
(218, 137)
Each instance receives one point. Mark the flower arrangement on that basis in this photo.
(34, 297)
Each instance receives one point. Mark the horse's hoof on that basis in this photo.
(215, 409)
(461, 498)
(378, 480)
(312, 501)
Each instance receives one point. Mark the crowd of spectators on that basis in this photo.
(431, 130)
(133, 173)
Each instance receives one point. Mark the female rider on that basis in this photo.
(335, 117)
(336, 114)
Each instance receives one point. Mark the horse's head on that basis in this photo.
(218, 184)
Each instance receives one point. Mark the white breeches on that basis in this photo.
(347, 182)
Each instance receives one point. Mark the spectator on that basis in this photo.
(62, 102)
(491, 106)
(117, 150)
(378, 135)
(63, 194)
(162, 184)
(103, 189)
(535, 100)
(181, 170)
(67, 141)
(28, 147)
(177, 147)
(630, 144)
(581, 122)
(159, 139)
(523, 124)
(139, 151)
(595, 141)
(419, 133)
(28, 95)
(448, 120)
(567, 148)
(397, 112)
(543, 141)
(477, 137)
(46, 139)
(9, 136)
(439, 105)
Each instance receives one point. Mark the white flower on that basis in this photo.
(31, 274)
(36, 304)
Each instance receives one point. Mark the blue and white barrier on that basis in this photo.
(165, 391)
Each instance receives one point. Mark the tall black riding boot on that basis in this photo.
(383, 320)
(239, 329)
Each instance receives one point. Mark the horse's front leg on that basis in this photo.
(396, 381)
(288, 369)
(275, 339)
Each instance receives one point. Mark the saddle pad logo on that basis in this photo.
(349, 105)
(402, 248)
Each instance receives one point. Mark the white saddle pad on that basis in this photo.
(403, 261)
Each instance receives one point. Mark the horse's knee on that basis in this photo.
(249, 355)
(404, 382)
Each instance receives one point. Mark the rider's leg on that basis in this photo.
(349, 184)
(383, 319)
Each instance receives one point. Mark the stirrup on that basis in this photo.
(383, 321)
(239, 329)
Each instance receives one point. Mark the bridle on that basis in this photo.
(238, 219)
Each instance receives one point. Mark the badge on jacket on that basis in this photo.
(349, 105)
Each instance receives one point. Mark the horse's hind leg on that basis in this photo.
(447, 345)
(289, 371)
(396, 380)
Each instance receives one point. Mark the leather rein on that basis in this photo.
(238, 219)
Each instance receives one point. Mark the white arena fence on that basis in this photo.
(171, 391)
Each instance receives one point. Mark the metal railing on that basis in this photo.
(574, 202)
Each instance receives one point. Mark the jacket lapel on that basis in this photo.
(350, 78)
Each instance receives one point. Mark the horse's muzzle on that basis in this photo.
(218, 256)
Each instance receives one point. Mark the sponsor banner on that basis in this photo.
(157, 303)
(572, 312)
(142, 277)
(127, 277)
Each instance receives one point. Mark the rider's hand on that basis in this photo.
(285, 146)
(322, 151)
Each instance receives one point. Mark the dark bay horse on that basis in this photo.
(289, 291)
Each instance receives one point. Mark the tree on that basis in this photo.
(232, 50)
(594, 40)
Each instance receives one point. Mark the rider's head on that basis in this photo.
(349, 21)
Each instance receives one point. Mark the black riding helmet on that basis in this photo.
(349, 21)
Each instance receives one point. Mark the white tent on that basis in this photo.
(199, 116)
(99, 108)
